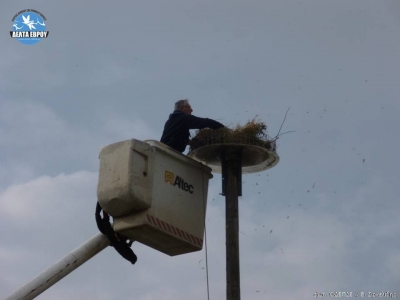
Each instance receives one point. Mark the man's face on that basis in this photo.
(186, 108)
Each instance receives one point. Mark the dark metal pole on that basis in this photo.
(232, 226)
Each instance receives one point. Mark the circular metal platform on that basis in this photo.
(254, 158)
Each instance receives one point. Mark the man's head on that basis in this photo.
(184, 106)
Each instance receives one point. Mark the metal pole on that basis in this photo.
(232, 227)
(62, 268)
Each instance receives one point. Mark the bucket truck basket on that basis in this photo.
(156, 195)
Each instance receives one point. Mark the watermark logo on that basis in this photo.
(29, 27)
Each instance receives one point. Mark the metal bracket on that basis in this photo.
(238, 173)
(223, 172)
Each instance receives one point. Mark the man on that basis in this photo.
(176, 130)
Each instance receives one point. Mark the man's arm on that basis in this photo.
(194, 122)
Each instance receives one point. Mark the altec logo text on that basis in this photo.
(178, 181)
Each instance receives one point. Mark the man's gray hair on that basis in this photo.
(180, 103)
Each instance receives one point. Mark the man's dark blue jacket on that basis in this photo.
(176, 130)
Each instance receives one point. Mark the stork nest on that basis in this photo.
(253, 133)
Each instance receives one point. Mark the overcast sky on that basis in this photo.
(325, 219)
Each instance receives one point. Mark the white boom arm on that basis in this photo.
(62, 268)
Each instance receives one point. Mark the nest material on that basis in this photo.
(253, 133)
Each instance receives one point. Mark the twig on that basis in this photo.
(282, 122)
(286, 132)
(276, 137)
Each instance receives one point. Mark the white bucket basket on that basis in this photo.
(156, 195)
